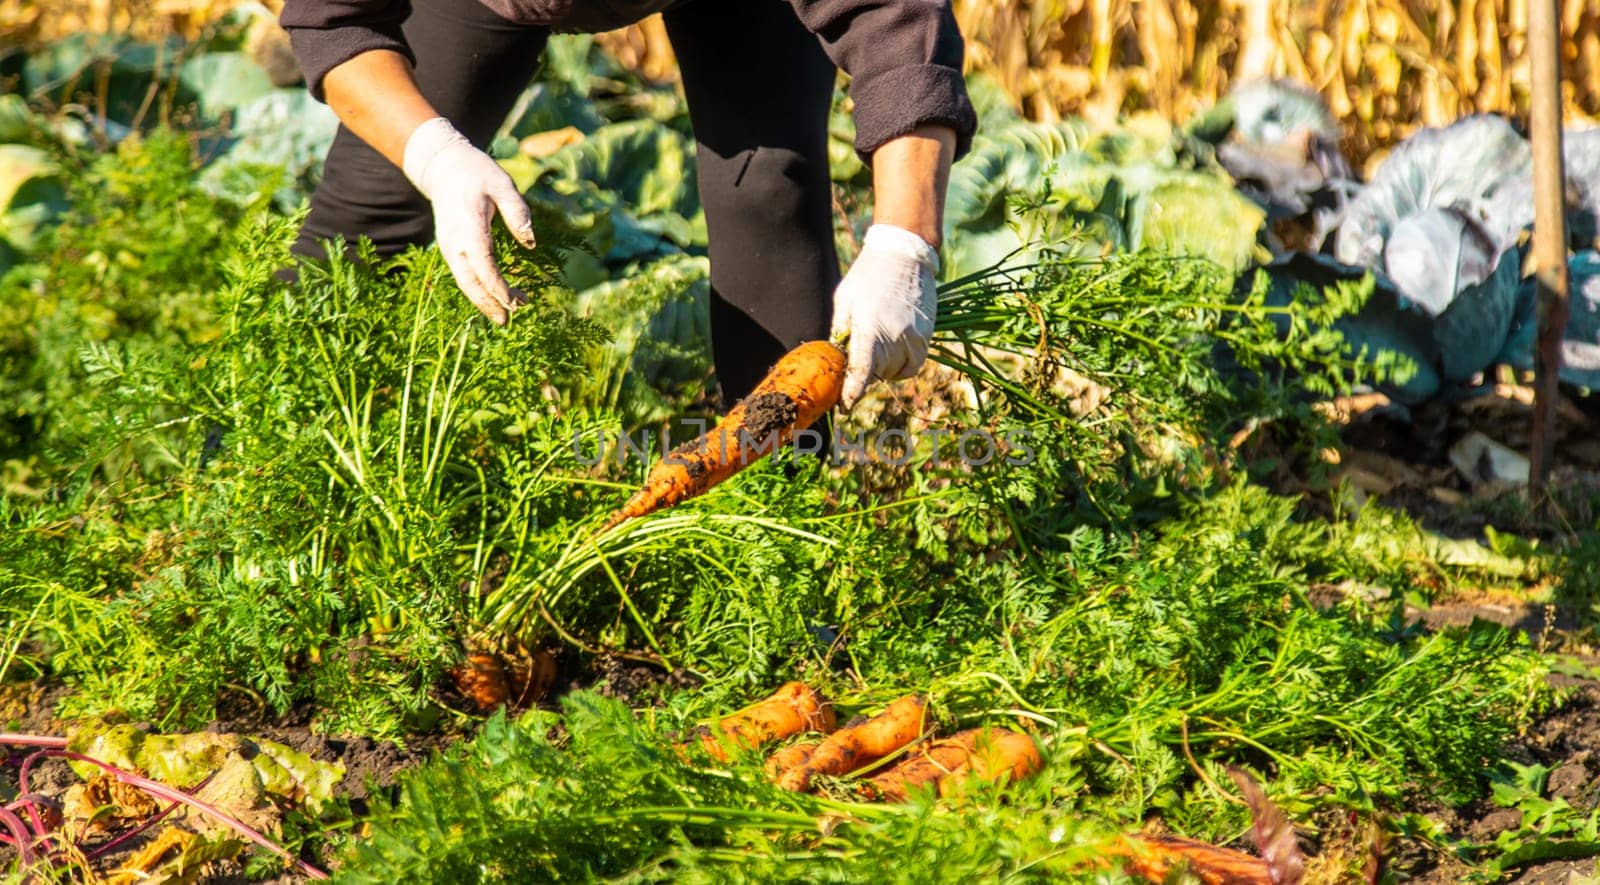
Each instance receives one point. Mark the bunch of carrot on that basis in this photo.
(993, 755)
(990, 755)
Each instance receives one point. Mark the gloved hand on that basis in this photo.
(886, 305)
(466, 186)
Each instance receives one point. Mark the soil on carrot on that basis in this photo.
(686, 455)
(769, 413)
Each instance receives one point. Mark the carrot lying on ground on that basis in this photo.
(1154, 858)
(789, 758)
(794, 708)
(852, 747)
(989, 754)
(803, 386)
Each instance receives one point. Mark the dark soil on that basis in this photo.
(632, 681)
(1567, 738)
(1402, 458)
(372, 767)
(29, 707)
(769, 413)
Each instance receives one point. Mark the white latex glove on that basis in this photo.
(466, 186)
(885, 305)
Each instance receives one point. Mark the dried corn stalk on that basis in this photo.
(1385, 67)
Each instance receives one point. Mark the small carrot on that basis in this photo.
(1155, 858)
(482, 679)
(794, 708)
(988, 754)
(803, 386)
(855, 746)
(489, 680)
(530, 676)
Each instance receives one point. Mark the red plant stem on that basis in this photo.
(33, 740)
(19, 833)
(163, 791)
(27, 768)
(148, 823)
(27, 802)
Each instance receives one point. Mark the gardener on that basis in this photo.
(422, 87)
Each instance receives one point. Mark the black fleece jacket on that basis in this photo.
(903, 56)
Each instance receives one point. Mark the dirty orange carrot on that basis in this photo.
(794, 708)
(489, 680)
(1155, 858)
(931, 764)
(854, 746)
(803, 386)
(530, 676)
(790, 758)
(989, 754)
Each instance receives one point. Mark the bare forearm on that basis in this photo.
(909, 177)
(376, 98)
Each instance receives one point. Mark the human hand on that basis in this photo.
(466, 187)
(885, 306)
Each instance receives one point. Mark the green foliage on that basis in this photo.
(610, 798)
(657, 358)
(296, 473)
(1131, 658)
(223, 486)
(1548, 828)
(133, 265)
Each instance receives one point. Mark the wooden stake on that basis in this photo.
(1549, 233)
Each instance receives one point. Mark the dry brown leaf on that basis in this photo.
(140, 866)
(103, 799)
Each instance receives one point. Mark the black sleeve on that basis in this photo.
(326, 33)
(904, 60)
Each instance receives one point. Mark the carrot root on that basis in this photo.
(858, 745)
(789, 759)
(801, 388)
(489, 680)
(987, 754)
(794, 708)
(482, 679)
